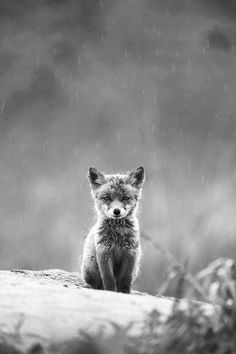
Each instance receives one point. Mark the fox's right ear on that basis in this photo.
(96, 178)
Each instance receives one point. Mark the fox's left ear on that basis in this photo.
(136, 178)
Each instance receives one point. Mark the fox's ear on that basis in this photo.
(96, 178)
(136, 178)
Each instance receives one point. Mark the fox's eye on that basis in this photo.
(106, 198)
(126, 198)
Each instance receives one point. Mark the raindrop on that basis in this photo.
(2, 106)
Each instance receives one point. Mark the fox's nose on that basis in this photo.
(116, 212)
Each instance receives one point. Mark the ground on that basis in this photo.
(46, 309)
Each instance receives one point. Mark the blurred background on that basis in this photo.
(117, 85)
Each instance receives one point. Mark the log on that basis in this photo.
(41, 308)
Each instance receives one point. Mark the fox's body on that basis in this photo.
(112, 248)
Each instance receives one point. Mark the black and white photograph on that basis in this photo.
(117, 177)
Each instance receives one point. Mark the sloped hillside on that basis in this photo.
(55, 312)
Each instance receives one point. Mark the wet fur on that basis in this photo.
(112, 248)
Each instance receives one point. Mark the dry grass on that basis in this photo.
(190, 332)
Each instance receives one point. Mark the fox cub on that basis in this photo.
(112, 249)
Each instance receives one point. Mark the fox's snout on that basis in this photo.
(116, 209)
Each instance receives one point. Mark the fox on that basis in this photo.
(112, 250)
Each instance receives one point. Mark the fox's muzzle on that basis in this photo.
(116, 209)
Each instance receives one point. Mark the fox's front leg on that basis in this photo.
(125, 276)
(105, 265)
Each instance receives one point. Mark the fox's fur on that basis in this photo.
(112, 248)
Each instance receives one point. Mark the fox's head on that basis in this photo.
(116, 196)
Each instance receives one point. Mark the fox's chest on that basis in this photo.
(118, 241)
